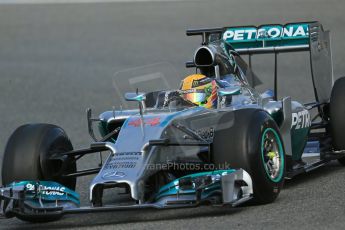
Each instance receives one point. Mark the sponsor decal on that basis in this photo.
(206, 133)
(153, 121)
(123, 160)
(128, 154)
(47, 190)
(193, 90)
(121, 165)
(113, 173)
(267, 32)
(147, 121)
(301, 120)
(201, 82)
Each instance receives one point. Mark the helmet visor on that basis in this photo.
(197, 96)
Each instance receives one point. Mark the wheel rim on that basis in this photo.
(272, 154)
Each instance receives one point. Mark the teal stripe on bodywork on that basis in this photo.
(171, 189)
(68, 194)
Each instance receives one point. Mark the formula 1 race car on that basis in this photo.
(173, 151)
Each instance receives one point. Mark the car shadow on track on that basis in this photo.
(123, 217)
(330, 168)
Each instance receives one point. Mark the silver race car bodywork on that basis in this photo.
(149, 146)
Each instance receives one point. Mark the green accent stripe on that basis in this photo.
(281, 154)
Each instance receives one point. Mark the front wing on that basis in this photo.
(33, 200)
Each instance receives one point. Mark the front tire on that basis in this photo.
(254, 144)
(337, 111)
(28, 151)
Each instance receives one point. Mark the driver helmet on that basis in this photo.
(200, 90)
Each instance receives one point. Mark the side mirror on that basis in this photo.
(232, 90)
(140, 97)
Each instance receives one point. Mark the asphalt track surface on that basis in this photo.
(58, 59)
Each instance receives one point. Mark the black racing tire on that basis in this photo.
(27, 157)
(27, 154)
(240, 145)
(337, 112)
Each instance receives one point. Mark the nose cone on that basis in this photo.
(128, 162)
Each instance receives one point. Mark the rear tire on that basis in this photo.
(337, 112)
(243, 146)
(27, 154)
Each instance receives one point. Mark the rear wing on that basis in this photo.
(275, 38)
(291, 37)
